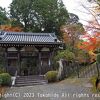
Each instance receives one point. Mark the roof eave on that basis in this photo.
(33, 43)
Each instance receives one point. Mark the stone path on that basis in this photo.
(69, 89)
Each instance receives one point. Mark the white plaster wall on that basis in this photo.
(23, 49)
(12, 49)
(45, 49)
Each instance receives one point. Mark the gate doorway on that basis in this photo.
(29, 66)
(12, 66)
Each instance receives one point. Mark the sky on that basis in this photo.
(73, 6)
(5, 3)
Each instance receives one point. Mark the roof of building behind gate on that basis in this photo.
(22, 37)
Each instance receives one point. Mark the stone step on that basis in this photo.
(30, 80)
(19, 82)
(25, 77)
(32, 76)
(29, 84)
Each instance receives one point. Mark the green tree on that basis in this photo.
(65, 54)
(98, 58)
(39, 15)
(3, 16)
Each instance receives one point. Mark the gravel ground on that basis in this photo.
(69, 89)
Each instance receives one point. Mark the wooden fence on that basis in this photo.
(81, 71)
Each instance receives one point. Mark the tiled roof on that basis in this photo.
(22, 37)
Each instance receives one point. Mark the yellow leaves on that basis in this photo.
(65, 37)
(92, 53)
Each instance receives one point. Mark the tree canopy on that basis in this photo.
(3, 16)
(39, 15)
(72, 31)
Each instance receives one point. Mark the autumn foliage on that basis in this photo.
(84, 41)
(92, 43)
(10, 28)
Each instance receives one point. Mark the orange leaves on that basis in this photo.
(85, 43)
(91, 44)
(86, 46)
(93, 40)
(10, 28)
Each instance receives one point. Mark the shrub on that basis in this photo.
(93, 81)
(98, 58)
(5, 79)
(65, 54)
(51, 76)
(2, 70)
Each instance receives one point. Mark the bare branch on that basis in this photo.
(92, 14)
(91, 25)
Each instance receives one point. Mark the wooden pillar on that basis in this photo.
(6, 60)
(51, 58)
(39, 60)
(19, 61)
